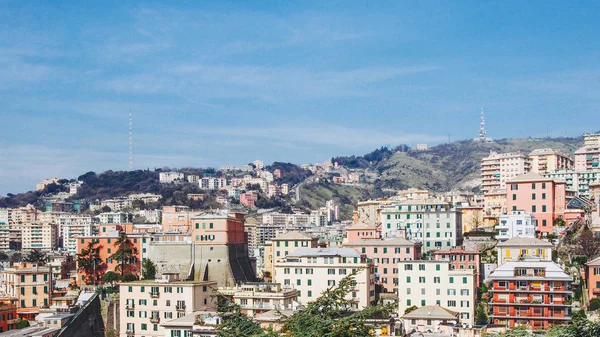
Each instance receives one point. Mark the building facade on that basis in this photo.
(516, 223)
(549, 160)
(30, 284)
(498, 168)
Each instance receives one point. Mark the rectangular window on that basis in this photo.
(533, 196)
(543, 185)
(514, 197)
(408, 279)
(543, 196)
(533, 186)
(533, 209)
(544, 208)
(451, 279)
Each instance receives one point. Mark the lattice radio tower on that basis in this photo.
(482, 133)
(130, 142)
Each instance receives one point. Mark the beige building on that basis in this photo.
(519, 248)
(30, 284)
(39, 236)
(278, 248)
(498, 168)
(433, 282)
(4, 229)
(256, 298)
(549, 160)
(145, 305)
(311, 271)
(430, 318)
(591, 139)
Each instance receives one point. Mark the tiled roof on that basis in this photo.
(553, 271)
(293, 235)
(521, 241)
(313, 252)
(529, 177)
(433, 312)
(381, 242)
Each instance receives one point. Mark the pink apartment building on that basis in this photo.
(385, 255)
(362, 231)
(461, 258)
(248, 199)
(545, 198)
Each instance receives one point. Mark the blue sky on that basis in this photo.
(227, 83)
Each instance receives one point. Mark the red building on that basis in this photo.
(543, 197)
(461, 259)
(8, 314)
(248, 199)
(530, 293)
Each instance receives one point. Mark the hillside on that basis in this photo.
(315, 195)
(448, 166)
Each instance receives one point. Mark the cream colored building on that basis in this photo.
(4, 229)
(430, 318)
(432, 282)
(549, 160)
(30, 284)
(39, 236)
(591, 139)
(519, 248)
(498, 168)
(311, 271)
(146, 305)
(278, 248)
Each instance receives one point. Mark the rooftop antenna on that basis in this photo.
(482, 134)
(130, 142)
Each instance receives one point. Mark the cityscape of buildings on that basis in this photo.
(428, 253)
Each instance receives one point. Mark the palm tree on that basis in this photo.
(36, 256)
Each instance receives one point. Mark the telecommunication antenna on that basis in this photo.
(482, 133)
(130, 142)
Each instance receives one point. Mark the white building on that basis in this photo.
(421, 147)
(145, 305)
(194, 179)
(196, 324)
(115, 218)
(4, 229)
(39, 236)
(170, 177)
(498, 168)
(212, 183)
(258, 164)
(429, 318)
(578, 181)
(70, 226)
(517, 223)
(312, 271)
(518, 248)
(435, 223)
(427, 282)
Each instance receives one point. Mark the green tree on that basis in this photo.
(36, 256)
(594, 304)
(235, 323)
(481, 317)
(110, 277)
(90, 263)
(126, 255)
(148, 270)
(129, 278)
(410, 309)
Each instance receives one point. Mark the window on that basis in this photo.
(514, 187)
(330, 271)
(544, 208)
(533, 196)
(543, 196)
(375, 250)
(543, 185)
(422, 303)
(331, 283)
(309, 293)
(421, 267)
(451, 303)
(408, 302)
(298, 282)
(533, 209)
(514, 197)
(544, 224)
(451, 279)
(408, 279)
(464, 292)
(533, 186)
(408, 267)
(310, 282)
(421, 279)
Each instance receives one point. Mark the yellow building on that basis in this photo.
(30, 284)
(472, 218)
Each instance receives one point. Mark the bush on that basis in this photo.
(594, 304)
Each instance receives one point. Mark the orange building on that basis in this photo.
(545, 198)
(530, 293)
(106, 248)
(8, 314)
(592, 278)
(176, 219)
(218, 228)
(30, 285)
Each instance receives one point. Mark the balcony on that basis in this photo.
(596, 291)
(154, 294)
(180, 307)
(155, 320)
(129, 306)
(130, 333)
(13, 321)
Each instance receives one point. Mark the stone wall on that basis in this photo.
(87, 321)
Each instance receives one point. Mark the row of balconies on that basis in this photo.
(530, 287)
(528, 302)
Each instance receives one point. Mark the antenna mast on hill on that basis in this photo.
(130, 142)
(482, 134)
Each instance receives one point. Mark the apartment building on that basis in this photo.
(4, 230)
(115, 218)
(592, 277)
(282, 219)
(516, 223)
(176, 219)
(578, 181)
(282, 245)
(248, 199)
(255, 298)
(587, 157)
(429, 318)
(544, 198)
(434, 223)
(22, 215)
(106, 247)
(498, 168)
(311, 271)
(385, 254)
(8, 314)
(530, 293)
(71, 227)
(39, 236)
(145, 305)
(549, 160)
(431, 282)
(461, 258)
(518, 248)
(170, 177)
(472, 217)
(31, 285)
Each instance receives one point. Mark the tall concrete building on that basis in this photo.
(429, 282)
(39, 236)
(498, 168)
(577, 181)
(311, 271)
(434, 223)
(549, 160)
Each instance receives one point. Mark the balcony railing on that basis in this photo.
(155, 320)
(154, 294)
(596, 291)
(129, 306)
(180, 307)
(13, 321)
